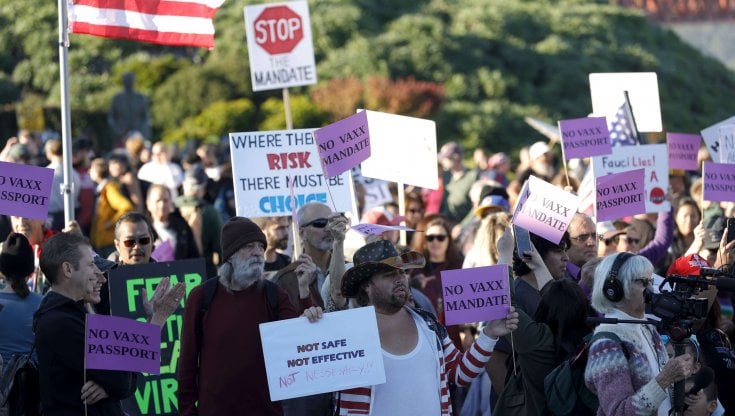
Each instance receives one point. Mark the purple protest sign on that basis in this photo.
(620, 195)
(719, 181)
(344, 144)
(475, 295)
(683, 150)
(25, 190)
(585, 137)
(547, 211)
(115, 343)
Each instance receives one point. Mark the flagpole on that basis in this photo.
(287, 109)
(67, 185)
(563, 156)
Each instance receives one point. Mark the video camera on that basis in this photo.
(678, 307)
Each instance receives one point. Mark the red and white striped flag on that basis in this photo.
(166, 22)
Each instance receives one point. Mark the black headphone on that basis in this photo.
(613, 288)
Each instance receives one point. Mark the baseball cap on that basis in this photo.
(538, 149)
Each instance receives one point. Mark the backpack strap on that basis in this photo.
(209, 290)
(271, 295)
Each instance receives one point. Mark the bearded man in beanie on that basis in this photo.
(221, 371)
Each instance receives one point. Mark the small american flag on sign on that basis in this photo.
(622, 126)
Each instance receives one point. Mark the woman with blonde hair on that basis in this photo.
(484, 251)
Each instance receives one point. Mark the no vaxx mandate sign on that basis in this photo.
(279, 45)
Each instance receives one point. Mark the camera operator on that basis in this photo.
(631, 376)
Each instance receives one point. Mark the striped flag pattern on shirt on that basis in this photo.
(166, 22)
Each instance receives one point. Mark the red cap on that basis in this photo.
(687, 265)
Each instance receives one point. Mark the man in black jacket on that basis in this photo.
(68, 263)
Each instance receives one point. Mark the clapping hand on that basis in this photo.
(164, 302)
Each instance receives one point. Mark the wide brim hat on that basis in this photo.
(377, 257)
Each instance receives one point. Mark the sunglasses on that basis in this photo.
(142, 241)
(415, 211)
(438, 237)
(317, 223)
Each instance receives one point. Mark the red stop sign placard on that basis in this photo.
(278, 30)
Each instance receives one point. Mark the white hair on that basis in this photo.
(633, 268)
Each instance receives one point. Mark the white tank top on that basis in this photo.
(412, 381)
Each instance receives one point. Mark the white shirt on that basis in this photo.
(412, 384)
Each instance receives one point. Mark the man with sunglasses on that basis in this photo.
(322, 237)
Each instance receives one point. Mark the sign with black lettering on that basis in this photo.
(340, 351)
(266, 165)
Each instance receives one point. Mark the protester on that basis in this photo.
(171, 229)
(161, 171)
(320, 231)
(583, 238)
(276, 234)
(686, 218)
(202, 218)
(434, 241)
(555, 332)
(631, 377)
(120, 169)
(419, 358)
(656, 250)
(414, 213)
(457, 180)
(484, 251)
(609, 237)
(111, 204)
(37, 234)
(223, 373)
(67, 262)
(17, 302)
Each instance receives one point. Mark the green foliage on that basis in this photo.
(218, 117)
(488, 63)
(304, 114)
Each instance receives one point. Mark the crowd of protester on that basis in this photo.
(154, 202)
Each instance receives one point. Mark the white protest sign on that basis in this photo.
(653, 158)
(403, 149)
(607, 91)
(711, 137)
(280, 47)
(265, 163)
(727, 143)
(375, 192)
(340, 351)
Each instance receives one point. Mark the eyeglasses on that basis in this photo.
(584, 237)
(317, 223)
(438, 237)
(142, 241)
(645, 281)
(415, 211)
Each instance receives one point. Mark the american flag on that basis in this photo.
(622, 126)
(166, 22)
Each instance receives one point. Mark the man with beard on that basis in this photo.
(583, 237)
(276, 233)
(322, 237)
(221, 368)
(419, 358)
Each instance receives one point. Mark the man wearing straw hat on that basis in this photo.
(419, 358)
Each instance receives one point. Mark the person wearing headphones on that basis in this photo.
(631, 376)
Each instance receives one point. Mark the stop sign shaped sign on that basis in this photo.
(278, 29)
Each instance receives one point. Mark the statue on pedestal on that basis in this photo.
(129, 111)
